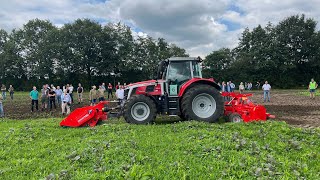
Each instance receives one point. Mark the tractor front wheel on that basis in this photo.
(140, 109)
(203, 103)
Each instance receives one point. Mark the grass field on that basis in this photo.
(38, 149)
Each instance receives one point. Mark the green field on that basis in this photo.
(36, 149)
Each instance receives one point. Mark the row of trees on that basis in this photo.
(82, 51)
(286, 54)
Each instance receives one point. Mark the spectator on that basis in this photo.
(34, 94)
(58, 92)
(258, 85)
(110, 90)
(228, 87)
(117, 86)
(245, 85)
(232, 86)
(93, 95)
(71, 92)
(52, 99)
(52, 87)
(312, 88)
(124, 85)
(249, 86)
(44, 97)
(120, 94)
(266, 91)
(1, 107)
(103, 86)
(4, 90)
(66, 102)
(241, 88)
(223, 87)
(11, 91)
(101, 93)
(80, 93)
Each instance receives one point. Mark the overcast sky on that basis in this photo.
(199, 26)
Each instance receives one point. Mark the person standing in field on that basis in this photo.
(80, 93)
(110, 90)
(11, 91)
(118, 86)
(1, 107)
(44, 97)
(120, 94)
(241, 88)
(34, 94)
(66, 102)
(58, 92)
(101, 93)
(52, 99)
(93, 95)
(232, 86)
(71, 92)
(266, 91)
(4, 91)
(312, 88)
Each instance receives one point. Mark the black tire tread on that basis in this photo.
(187, 100)
(139, 98)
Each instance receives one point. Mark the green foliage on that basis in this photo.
(286, 54)
(36, 149)
(81, 51)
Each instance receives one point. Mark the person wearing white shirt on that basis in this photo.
(266, 91)
(120, 94)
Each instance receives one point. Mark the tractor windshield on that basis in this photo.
(179, 71)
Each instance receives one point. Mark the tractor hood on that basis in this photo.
(142, 83)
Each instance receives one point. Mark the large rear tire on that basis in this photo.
(203, 103)
(140, 109)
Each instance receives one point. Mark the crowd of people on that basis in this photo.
(52, 97)
(229, 86)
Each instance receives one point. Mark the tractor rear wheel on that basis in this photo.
(235, 118)
(140, 109)
(203, 103)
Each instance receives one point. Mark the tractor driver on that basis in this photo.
(179, 72)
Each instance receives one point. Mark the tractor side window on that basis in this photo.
(196, 70)
(179, 71)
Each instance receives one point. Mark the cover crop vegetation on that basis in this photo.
(35, 149)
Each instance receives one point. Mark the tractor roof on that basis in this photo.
(185, 59)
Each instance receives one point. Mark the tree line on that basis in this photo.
(82, 51)
(286, 54)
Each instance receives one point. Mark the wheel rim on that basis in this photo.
(204, 105)
(236, 119)
(140, 111)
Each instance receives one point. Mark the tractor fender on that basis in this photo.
(194, 81)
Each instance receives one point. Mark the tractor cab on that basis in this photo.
(177, 71)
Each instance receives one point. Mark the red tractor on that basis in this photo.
(179, 90)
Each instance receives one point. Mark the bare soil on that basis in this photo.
(289, 106)
(286, 105)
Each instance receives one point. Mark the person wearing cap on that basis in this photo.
(93, 95)
(312, 88)
(241, 88)
(266, 91)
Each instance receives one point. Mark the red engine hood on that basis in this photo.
(142, 82)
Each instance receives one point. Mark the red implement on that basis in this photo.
(239, 107)
(86, 116)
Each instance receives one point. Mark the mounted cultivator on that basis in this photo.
(239, 108)
(179, 90)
